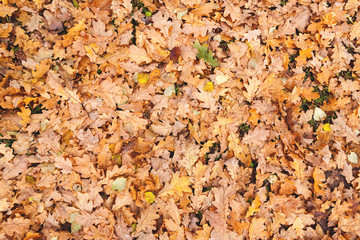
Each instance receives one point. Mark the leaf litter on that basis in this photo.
(128, 119)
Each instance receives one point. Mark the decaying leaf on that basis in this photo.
(179, 119)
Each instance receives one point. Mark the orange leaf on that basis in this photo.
(5, 30)
(33, 236)
(319, 177)
(204, 233)
(254, 208)
(41, 69)
(303, 55)
(324, 76)
(329, 19)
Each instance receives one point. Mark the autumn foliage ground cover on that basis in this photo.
(179, 119)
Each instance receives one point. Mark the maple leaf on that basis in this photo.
(206, 54)
(177, 186)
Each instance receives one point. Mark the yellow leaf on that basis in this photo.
(27, 100)
(143, 78)
(209, 87)
(254, 207)
(327, 127)
(163, 53)
(39, 3)
(206, 147)
(25, 115)
(149, 197)
(250, 47)
(91, 51)
(178, 186)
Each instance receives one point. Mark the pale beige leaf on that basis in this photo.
(147, 220)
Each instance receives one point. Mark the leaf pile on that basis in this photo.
(128, 119)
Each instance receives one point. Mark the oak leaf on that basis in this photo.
(177, 186)
(6, 10)
(147, 220)
(204, 233)
(25, 115)
(256, 136)
(254, 208)
(138, 55)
